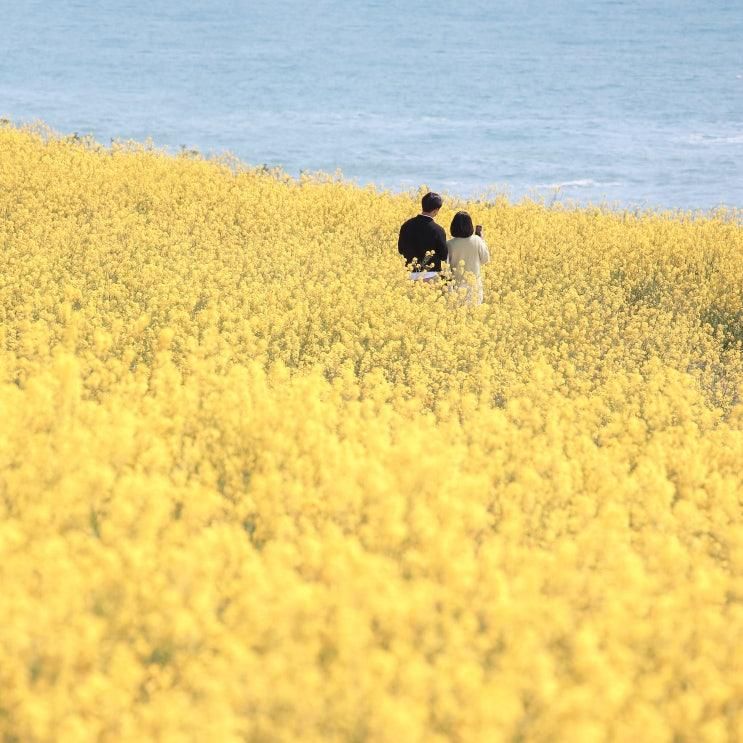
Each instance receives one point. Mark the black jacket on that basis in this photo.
(420, 235)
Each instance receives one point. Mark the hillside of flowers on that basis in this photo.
(256, 485)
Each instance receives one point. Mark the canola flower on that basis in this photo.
(255, 485)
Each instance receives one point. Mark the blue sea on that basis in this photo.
(630, 103)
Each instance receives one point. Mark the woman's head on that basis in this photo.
(461, 225)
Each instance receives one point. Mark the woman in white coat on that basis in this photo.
(467, 253)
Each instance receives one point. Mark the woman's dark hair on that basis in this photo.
(431, 201)
(461, 225)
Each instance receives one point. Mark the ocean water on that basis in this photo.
(634, 103)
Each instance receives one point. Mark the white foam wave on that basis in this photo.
(715, 139)
(580, 183)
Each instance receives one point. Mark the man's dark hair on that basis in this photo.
(431, 201)
(461, 225)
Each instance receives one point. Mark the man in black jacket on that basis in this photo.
(422, 242)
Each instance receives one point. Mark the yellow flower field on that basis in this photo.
(255, 485)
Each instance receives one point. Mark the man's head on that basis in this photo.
(431, 203)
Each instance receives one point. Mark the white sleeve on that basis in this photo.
(484, 252)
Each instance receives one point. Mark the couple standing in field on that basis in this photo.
(424, 246)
